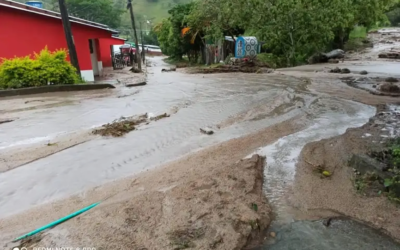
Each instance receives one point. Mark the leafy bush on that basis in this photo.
(45, 67)
(393, 183)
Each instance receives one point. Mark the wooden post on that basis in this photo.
(139, 62)
(141, 39)
(68, 36)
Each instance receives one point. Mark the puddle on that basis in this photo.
(340, 235)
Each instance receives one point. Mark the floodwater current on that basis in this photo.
(237, 103)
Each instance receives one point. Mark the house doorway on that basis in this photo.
(93, 57)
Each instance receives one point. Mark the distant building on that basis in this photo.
(25, 29)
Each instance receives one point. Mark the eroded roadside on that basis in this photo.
(339, 193)
(212, 193)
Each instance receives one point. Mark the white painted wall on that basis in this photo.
(87, 75)
(100, 67)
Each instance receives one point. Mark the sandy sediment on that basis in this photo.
(223, 209)
(338, 192)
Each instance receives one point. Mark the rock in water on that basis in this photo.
(334, 54)
(317, 58)
(333, 61)
(363, 72)
(391, 79)
(345, 71)
(207, 131)
(335, 70)
(327, 222)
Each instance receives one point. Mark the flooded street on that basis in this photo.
(239, 104)
(233, 105)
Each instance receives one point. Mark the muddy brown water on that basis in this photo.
(239, 103)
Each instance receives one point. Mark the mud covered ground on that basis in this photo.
(216, 203)
(338, 193)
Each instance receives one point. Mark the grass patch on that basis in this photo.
(271, 60)
(391, 184)
(358, 39)
(358, 32)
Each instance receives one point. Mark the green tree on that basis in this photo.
(169, 32)
(101, 11)
(151, 38)
(218, 18)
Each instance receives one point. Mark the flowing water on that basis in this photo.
(340, 235)
(238, 103)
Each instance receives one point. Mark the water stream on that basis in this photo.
(279, 175)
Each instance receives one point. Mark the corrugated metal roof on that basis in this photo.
(53, 14)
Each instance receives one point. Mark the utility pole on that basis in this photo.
(68, 36)
(141, 38)
(136, 37)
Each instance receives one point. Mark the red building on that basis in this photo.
(25, 29)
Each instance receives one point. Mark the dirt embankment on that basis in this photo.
(339, 192)
(224, 209)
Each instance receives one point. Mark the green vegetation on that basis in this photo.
(45, 67)
(358, 32)
(393, 184)
(169, 35)
(382, 181)
(292, 30)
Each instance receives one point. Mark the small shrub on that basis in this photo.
(45, 67)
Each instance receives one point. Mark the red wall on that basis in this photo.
(105, 50)
(23, 33)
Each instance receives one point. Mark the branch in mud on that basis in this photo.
(125, 125)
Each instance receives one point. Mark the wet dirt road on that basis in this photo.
(238, 103)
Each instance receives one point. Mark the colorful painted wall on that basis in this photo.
(22, 33)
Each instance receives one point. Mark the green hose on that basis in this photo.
(54, 223)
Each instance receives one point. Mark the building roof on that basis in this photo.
(53, 14)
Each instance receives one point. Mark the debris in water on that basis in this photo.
(363, 72)
(168, 70)
(125, 125)
(272, 234)
(207, 131)
(5, 121)
(51, 144)
(156, 118)
(120, 126)
(135, 84)
(327, 222)
(33, 101)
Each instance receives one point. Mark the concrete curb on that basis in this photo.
(54, 88)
